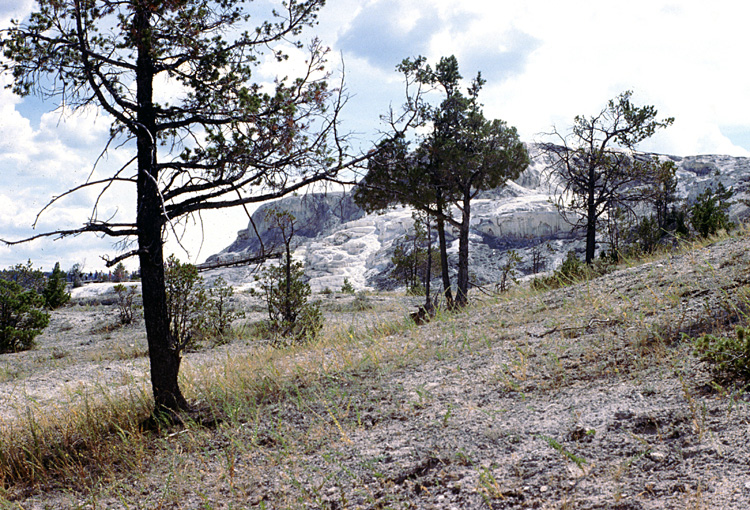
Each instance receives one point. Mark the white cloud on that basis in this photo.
(38, 164)
(684, 60)
(83, 129)
(387, 31)
(546, 61)
(14, 9)
(15, 130)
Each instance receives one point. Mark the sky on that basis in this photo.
(545, 62)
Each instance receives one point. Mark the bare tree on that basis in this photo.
(596, 166)
(224, 141)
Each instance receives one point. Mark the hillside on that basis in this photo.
(336, 239)
(582, 397)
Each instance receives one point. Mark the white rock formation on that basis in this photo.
(339, 241)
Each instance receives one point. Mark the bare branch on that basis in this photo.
(111, 262)
(111, 229)
(90, 72)
(108, 181)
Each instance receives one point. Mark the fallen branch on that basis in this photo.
(576, 328)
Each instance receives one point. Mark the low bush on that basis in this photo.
(195, 312)
(361, 302)
(508, 272)
(710, 212)
(55, 293)
(22, 317)
(26, 276)
(125, 297)
(291, 316)
(728, 356)
(219, 313)
(185, 302)
(572, 270)
(347, 287)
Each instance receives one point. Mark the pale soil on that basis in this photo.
(582, 397)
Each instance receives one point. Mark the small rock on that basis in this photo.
(657, 456)
(747, 485)
(543, 488)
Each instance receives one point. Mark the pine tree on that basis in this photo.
(225, 140)
(55, 294)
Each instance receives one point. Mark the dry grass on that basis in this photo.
(100, 438)
(300, 412)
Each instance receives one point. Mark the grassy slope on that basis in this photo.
(582, 397)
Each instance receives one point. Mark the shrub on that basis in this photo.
(286, 293)
(710, 212)
(508, 271)
(729, 357)
(648, 235)
(361, 302)
(412, 265)
(308, 324)
(54, 292)
(416, 290)
(259, 330)
(539, 257)
(125, 297)
(120, 274)
(195, 312)
(219, 313)
(21, 316)
(572, 270)
(347, 287)
(414, 259)
(186, 302)
(25, 276)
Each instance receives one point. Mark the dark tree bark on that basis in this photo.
(462, 280)
(591, 217)
(164, 354)
(428, 278)
(443, 248)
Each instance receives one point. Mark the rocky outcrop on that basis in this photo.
(314, 213)
(338, 240)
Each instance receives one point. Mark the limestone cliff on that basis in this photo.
(337, 240)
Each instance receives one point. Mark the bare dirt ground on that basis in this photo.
(583, 397)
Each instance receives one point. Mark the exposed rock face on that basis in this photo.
(314, 213)
(337, 240)
(696, 173)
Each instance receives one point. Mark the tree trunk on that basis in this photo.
(462, 291)
(444, 254)
(163, 351)
(591, 218)
(288, 317)
(427, 291)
